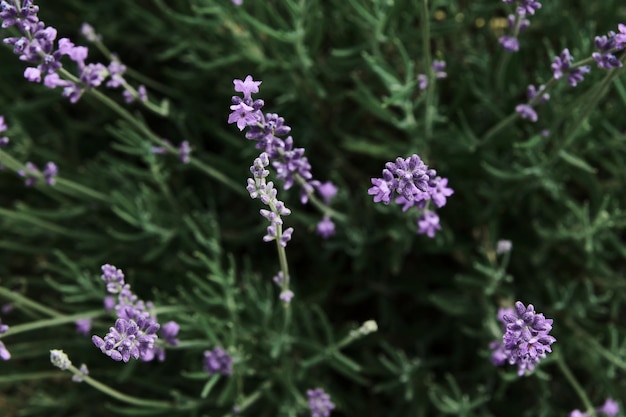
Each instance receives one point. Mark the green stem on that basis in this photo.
(250, 399)
(318, 204)
(574, 383)
(19, 299)
(428, 125)
(569, 136)
(105, 389)
(140, 126)
(40, 324)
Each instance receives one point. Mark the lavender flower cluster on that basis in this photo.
(439, 71)
(526, 339)
(36, 46)
(218, 361)
(4, 141)
(134, 334)
(610, 52)
(289, 163)
(518, 22)
(415, 185)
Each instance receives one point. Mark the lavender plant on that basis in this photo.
(130, 157)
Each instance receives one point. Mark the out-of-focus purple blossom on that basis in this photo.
(532, 92)
(184, 152)
(218, 361)
(50, 173)
(325, 228)
(237, 2)
(169, 331)
(526, 112)
(319, 403)
(620, 38)
(142, 93)
(116, 71)
(286, 296)
(84, 371)
(578, 413)
(439, 191)
(609, 408)
(562, 66)
(90, 33)
(509, 43)
(327, 190)
(503, 246)
(31, 173)
(83, 326)
(422, 81)
(6, 308)
(439, 68)
(278, 278)
(4, 141)
(109, 303)
(428, 224)
(526, 338)
(5, 355)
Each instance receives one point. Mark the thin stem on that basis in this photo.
(105, 389)
(250, 399)
(428, 125)
(575, 384)
(19, 299)
(210, 171)
(57, 321)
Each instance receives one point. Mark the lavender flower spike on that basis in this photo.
(527, 339)
(562, 66)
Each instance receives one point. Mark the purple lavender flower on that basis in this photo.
(83, 326)
(84, 371)
(326, 228)
(128, 338)
(503, 246)
(319, 403)
(5, 355)
(265, 191)
(31, 173)
(609, 408)
(428, 224)
(113, 278)
(416, 185)
(218, 361)
(286, 296)
(4, 141)
(578, 413)
(620, 38)
(509, 43)
(607, 45)
(90, 33)
(532, 92)
(109, 303)
(327, 190)
(184, 152)
(439, 68)
(526, 112)
(422, 81)
(562, 66)
(59, 359)
(527, 338)
(237, 2)
(517, 24)
(247, 87)
(169, 331)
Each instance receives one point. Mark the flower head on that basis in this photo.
(319, 403)
(526, 339)
(218, 361)
(59, 359)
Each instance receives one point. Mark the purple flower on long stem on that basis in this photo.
(4, 141)
(526, 339)
(608, 46)
(31, 173)
(518, 23)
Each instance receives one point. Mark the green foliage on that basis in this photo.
(344, 75)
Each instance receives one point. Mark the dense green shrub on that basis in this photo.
(345, 75)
